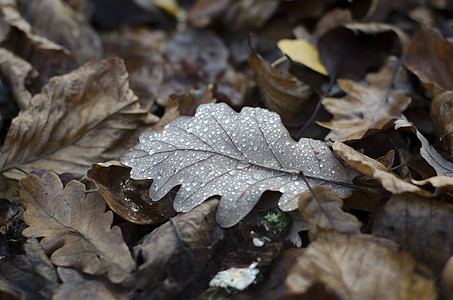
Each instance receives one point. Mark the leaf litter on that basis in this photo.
(367, 216)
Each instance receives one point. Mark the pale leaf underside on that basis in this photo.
(235, 155)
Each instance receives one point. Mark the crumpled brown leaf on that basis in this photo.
(367, 106)
(442, 117)
(75, 228)
(321, 207)
(129, 198)
(76, 287)
(86, 116)
(356, 267)
(18, 73)
(421, 226)
(282, 92)
(176, 253)
(428, 56)
(64, 26)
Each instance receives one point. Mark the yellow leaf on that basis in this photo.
(302, 52)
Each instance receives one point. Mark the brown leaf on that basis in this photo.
(8, 210)
(176, 253)
(48, 58)
(86, 116)
(349, 51)
(203, 12)
(421, 226)
(18, 73)
(63, 26)
(75, 286)
(358, 268)
(28, 276)
(447, 280)
(369, 106)
(428, 56)
(129, 198)
(76, 229)
(282, 92)
(321, 207)
(441, 115)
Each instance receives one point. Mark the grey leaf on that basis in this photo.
(235, 155)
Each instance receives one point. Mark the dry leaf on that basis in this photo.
(282, 92)
(18, 73)
(235, 155)
(77, 287)
(175, 254)
(428, 56)
(375, 169)
(356, 267)
(75, 228)
(303, 52)
(28, 276)
(63, 26)
(86, 116)
(350, 50)
(447, 280)
(129, 198)
(367, 106)
(421, 226)
(441, 115)
(321, 207)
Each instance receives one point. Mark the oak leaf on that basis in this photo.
(235, 155)
(359, 268)
(83, 117)
(75, 228)
(367, 106)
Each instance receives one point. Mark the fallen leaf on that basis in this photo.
(282, 92)
(367, 106)
(129, 198)
(18, 73)
(375, 169)
(355, 267)
(303, 52)
(175, 254)
(447, 280)
(250, 14)
(28, 276)
(76, 286)
(203, 12)
(442, 166)
(441, 115)
(350, 50)
(86, 116)
(8, 210)
(428, 57)
(235, 155)
(321, 207)
(63, 26)
(75, 228)
(421, 226)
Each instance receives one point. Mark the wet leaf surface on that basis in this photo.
(214, 149)
(76, 229)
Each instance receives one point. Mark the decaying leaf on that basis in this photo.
(367, 106)
(302, 52)
(358, 268)
(129, 198)
(86, 116)
(282, 92)
(175, 254)
(235, 155)
(442, 166)
(76, 229)
(421, 226)
(447, 280)
(63, 26)
(428, 57)
(441, 115)
(321, 207)
(76, 287)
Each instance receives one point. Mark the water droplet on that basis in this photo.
(232, 172)
(152, 151)
(282, 189)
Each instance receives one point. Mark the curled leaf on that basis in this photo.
(76, 229)
(235, 155)
(302, 52)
